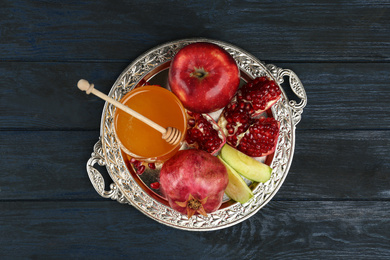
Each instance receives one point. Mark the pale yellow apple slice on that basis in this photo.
(246, 165)
(237, 189)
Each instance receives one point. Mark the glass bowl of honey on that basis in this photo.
(137, 139)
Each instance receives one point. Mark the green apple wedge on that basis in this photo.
(245, 165)
(237, 189)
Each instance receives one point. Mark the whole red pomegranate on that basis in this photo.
(194, 182)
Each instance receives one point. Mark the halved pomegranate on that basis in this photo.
(258, 95)
(240, 120)
(234, 120)
(261, 137)
(204, 133)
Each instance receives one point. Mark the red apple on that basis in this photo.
(204, 77)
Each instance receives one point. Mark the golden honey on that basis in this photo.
(141, 141)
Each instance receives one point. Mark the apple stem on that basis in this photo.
(199, 73)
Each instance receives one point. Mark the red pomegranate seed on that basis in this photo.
(155, 185)
(152, 166)
(141, 169)
(191, 122)
(133, 160)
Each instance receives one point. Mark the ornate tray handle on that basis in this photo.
(97, 179)
(106, 151)
(295, 85)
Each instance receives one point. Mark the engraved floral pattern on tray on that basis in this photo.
(126, 190)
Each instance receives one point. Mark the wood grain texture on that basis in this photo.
(50, 165)
(335, 201)
(340, 165)
(43, 95)
(46, 165)
(349, 96)
(281, 230)
(121, 30)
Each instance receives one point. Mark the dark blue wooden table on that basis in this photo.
(335, 202)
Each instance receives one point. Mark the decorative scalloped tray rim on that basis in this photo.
(126, 190)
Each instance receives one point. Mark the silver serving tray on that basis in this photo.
(133, 189)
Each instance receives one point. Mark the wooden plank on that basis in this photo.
(47, 165)
(339, 165)
(340, 96)
(344, 95)
(281, 230)
(54, 101)
(98, 30)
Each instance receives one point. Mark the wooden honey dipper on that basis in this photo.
(170, 134)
